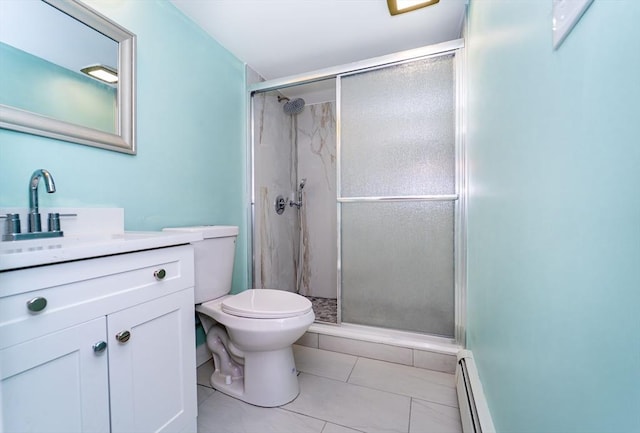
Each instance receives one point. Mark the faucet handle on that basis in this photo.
(53, 222)
(12, 225)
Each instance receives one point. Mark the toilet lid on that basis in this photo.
(266, 304)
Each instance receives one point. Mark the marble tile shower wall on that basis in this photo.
(276, 236)
(316, 137)
(287, 150)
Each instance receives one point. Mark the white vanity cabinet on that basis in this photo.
(56, 382)
(113, 350)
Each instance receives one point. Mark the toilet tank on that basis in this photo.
(214, 257)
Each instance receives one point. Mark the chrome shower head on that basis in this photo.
(292, 106)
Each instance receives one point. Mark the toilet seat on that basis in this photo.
(266, 304)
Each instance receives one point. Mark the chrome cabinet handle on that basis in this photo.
(160, 274)
(123, 336)
(37, 304)
(99, 346)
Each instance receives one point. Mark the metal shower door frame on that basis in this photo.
(455, 47)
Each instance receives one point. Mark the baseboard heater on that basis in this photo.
(474, 411)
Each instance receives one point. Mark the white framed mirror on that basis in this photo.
(44, 45)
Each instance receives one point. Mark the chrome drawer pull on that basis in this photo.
(36, 305)
(123, 336)
(160, 274)
(99, 346)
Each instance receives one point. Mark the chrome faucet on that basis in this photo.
(35, 224)
(12, 230)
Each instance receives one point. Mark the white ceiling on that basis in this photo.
(280, 38)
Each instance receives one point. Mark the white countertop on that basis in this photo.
(27, 253)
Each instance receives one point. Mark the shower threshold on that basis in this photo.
(326, 323)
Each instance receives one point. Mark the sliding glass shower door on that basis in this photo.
(398, 196)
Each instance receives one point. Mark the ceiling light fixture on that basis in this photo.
(102, 73)
(401, 6)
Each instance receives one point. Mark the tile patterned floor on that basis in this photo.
(325, 309)
(340, 394)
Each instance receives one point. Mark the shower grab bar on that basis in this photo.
(443, 197)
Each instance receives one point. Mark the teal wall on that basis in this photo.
(554, 216)
(33, 84)
(190, 166)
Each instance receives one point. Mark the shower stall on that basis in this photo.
(294, 214)
(358, 191)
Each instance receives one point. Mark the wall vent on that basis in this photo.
(474, 411)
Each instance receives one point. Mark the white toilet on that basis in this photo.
(252, 350)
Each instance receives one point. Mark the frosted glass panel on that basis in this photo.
(398, 139)
(397, 265)
(398, 130)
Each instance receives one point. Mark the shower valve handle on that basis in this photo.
(280, 204)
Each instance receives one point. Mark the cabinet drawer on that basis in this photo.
(82, 290)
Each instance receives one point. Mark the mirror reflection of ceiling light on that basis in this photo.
(102, 73)
(401, 6)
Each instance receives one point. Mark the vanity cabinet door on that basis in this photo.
(57, 382)
(152, 365)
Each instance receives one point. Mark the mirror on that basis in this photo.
(44, 44)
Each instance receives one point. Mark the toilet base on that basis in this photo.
(270, 379)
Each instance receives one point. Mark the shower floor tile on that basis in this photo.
(325, 309)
